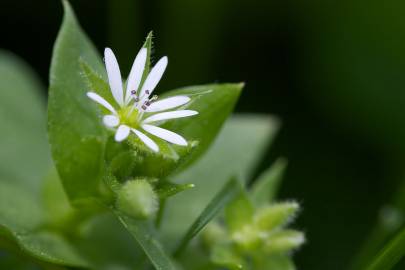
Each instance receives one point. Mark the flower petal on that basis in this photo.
(168, 103)
(114, 76)
(146, 140)
(111, 120)
(154, 77)
(165, 134)
(97, 98)
(135, 76)
(169, 115)
(122, 133)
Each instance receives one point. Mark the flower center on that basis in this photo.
(129, 116)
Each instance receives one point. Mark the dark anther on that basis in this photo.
(133, 92)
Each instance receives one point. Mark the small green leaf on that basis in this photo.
(265, 188)
(142, 232)
(390, 255)
(167, 189)
(75, 132)
(224, 196)
(239, 212)
(274, 216)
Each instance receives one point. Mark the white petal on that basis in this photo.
(114, 76)
(146, 140)
(169, 115)
(154, 77)
(111, 120)
(135, 76)
(122, 133)
(97, 98)
(165, 134)
(168, 103)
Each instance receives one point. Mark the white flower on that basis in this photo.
(135, 111)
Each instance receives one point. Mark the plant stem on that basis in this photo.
(160, 213)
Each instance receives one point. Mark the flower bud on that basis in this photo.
(137, 199)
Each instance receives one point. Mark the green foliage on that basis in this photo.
(80, 143)
(254, 237)
(89, 205)
(230, 156)
(146, 237)
(227, 193)
(76, 135)
(390, 255)
(24, 149)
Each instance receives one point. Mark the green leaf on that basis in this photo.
(24, 149)
(76, 135)
(167, 189)
(146, 238)
(265, 188)
(224, 196)
(390, 255)
(229, 156)
(239, 212)
(22, 224)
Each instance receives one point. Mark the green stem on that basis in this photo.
(160, 213)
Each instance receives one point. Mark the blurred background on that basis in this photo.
(332, 71)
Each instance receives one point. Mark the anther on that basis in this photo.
(133, 92)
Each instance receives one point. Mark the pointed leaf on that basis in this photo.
(224, 196)
(390, 255)
(167, 189)
(75, 131)
(142, 232)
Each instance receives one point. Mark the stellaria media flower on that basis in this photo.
(136, 110)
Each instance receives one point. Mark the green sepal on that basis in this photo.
(239, 212)
(284, 241)
(275, 216)
(224, 255)
(165, 189)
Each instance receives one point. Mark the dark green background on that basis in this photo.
(332, 71)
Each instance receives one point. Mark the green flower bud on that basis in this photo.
(284, 241)
(274, 216)
(247, 238)
(137, 199)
